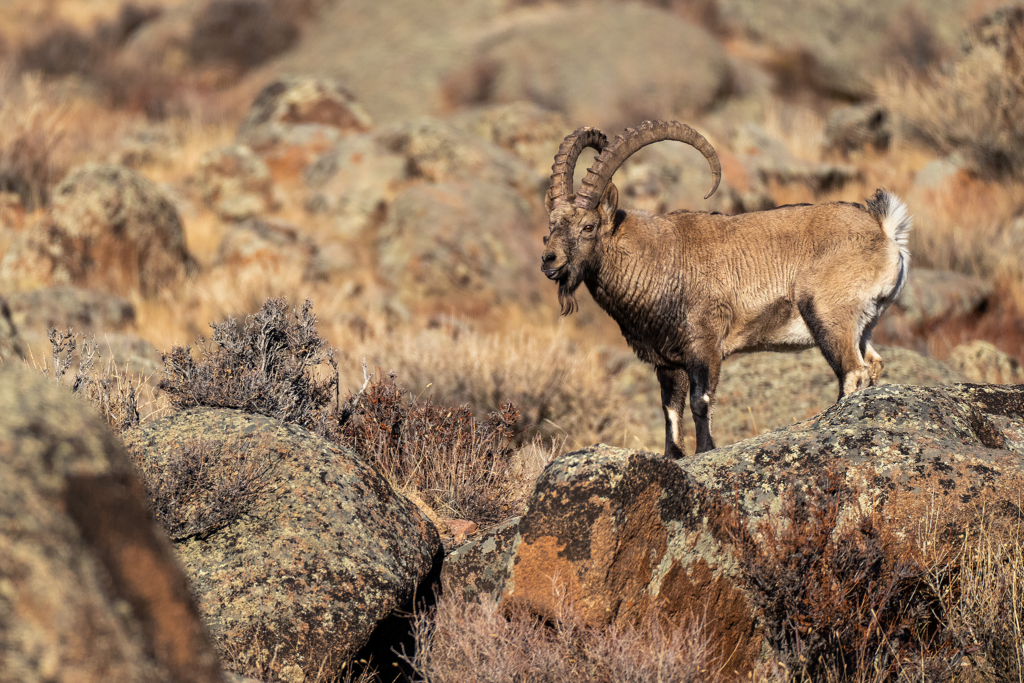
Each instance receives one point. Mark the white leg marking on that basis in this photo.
(673, 421)
(707, 399)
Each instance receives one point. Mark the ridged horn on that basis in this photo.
(565, 160)
(613, 156)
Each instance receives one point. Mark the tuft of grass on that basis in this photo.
(465, 641)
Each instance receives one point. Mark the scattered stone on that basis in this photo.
(235, 183)
(327, 554)
(90, 589)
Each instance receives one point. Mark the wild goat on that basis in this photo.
(689, 288)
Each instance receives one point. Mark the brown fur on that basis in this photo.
(690, 288)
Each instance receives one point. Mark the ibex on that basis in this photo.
(690, 288)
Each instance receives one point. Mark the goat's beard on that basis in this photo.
(567, 295)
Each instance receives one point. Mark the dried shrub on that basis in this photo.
(265, 365)
(61, 51)
(841, 599)
(463, 466)
(464, 641)
(114, 393)
(205, 485)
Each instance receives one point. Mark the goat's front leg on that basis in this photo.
(703, 375)
(674, 387)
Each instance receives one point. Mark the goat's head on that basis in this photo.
(580, 221)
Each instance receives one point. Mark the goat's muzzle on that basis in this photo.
(548, 267)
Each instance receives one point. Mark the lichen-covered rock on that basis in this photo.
(471, 238)
(65, 306)
(271, 245)
(295, 119)
(108, 227)
(329, 552)
(235, 183)
(90, 589)
(616, 532)
(760, 392)
(481, 566)
(526, 129)
(980, 361)
(954, 443)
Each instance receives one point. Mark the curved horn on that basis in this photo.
(565, 160)
(613, 156)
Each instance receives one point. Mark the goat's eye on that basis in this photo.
(589, 227)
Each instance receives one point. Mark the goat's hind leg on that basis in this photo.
(703, 375)
(674, 387)
(835, 330)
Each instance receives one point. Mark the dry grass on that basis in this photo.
(463, 641)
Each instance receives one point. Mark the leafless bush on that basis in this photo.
(464, 641)
(840, 601)
(461, 465)
(205, 484)
(265, 365)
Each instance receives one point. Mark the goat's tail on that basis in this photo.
(892, 214)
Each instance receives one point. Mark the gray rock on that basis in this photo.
(480, 567)
(90, 589)
(858, 126)
(235, 183)
(759, 392)
(291, 101)
(273, 245)
(108, 227)
(328, 552)
(469, 238)
(771, 160)
(845, 44)
(62, 306)
(933, 295)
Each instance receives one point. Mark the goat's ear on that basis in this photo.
(609, 203)
(549, 203)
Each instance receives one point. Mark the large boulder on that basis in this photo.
(108, 227)
(980, 361)
(327, 553)
(294, 119)
(614, 531)
(90, 589)
(608, 65)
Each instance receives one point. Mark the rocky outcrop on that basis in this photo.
(613, 531)
(235, 183)
(760, 392)
(108, 227)
(90, 589)
(933, 295)
(271, 245)
(328, 552)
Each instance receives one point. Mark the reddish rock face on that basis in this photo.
(616, 532)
